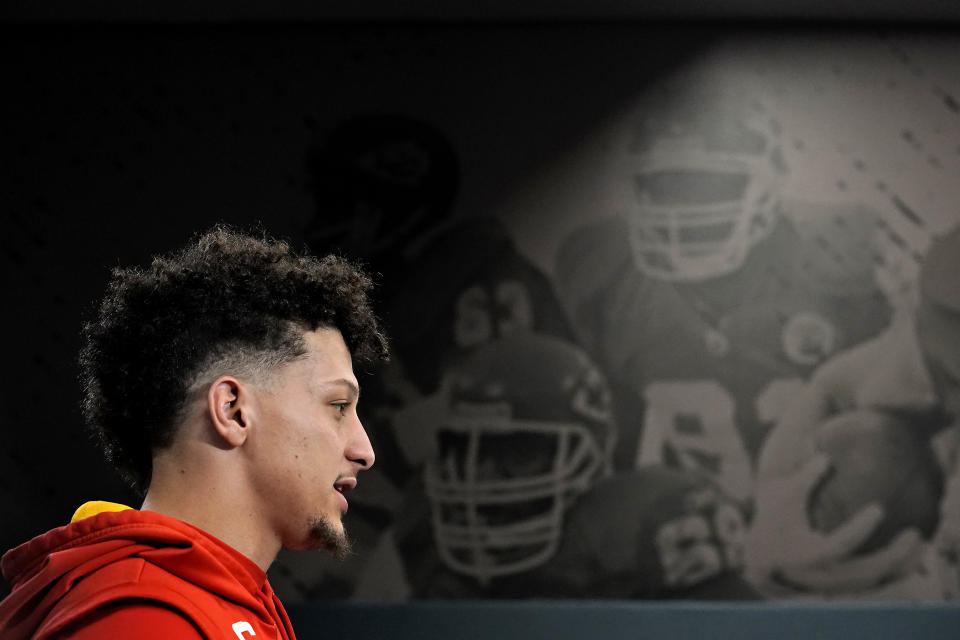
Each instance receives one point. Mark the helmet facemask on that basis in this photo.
(500, 487)
(701, 196)
(528, 429)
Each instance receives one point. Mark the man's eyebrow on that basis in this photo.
(350, 384)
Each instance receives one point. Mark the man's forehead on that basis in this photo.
(325, 339)
(326, 347)
(330, 362)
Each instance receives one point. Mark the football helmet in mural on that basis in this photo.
(528, 430)
(703, 169)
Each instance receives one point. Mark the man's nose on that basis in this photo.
(360, 450)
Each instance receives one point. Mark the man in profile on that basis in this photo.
(219, 381)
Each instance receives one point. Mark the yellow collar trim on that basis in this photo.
(94, 507)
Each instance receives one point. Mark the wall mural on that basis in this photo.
(706, 345)
(717, 384)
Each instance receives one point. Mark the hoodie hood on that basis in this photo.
(49, 574)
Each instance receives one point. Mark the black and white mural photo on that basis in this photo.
(664, 326)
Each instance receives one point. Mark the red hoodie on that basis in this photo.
(136, 574)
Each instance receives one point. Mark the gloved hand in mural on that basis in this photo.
(786, 555)
(898, 391)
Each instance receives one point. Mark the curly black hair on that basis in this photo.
(228, 298)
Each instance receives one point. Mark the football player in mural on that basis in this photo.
(911, 375)
(385, 187)
(708, 298)
(522, 502)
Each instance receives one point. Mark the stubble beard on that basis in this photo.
(326, 535)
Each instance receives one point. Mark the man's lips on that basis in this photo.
(344, 486)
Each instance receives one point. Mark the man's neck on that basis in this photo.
(218, 508)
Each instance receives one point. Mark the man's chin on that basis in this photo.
(324, 534)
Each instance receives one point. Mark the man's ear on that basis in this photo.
(228, 404)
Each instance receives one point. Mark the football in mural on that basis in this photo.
(882, 458)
